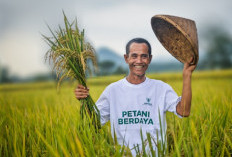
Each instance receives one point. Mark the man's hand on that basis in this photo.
(188, 68)
(81, 92)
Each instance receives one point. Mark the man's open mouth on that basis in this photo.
(138, 66)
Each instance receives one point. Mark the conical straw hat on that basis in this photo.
(178, 35)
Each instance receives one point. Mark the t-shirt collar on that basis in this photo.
(136, 85)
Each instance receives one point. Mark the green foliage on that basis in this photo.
(36, 121)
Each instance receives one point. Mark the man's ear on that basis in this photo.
(126, 57)
(150, 58)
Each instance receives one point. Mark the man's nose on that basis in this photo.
(139, 59)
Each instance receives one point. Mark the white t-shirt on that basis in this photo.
(132, 108)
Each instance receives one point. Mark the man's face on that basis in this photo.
(138, 59)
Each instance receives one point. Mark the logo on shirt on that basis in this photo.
(148, 100)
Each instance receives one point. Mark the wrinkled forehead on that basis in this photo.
(141, 48)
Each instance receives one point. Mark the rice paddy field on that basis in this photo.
(36, 120)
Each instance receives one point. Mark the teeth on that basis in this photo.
(138, 66)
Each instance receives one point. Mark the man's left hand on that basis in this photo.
(189, 68)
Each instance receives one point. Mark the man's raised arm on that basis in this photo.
(184, 106)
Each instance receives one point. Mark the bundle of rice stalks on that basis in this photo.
(69, 52)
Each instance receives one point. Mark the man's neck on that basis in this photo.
(134, 79)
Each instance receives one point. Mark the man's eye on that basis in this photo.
(144, 56)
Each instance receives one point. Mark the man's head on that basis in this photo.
(138, 40)
(138, 56)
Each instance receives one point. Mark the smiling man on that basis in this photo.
(137, 103)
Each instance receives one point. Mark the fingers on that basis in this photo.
(81, 95)
(192, 67)
(189, 63)
(81, 87)
(190, 60)
(189, 67)
(81, 92)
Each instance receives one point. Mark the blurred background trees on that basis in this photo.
(4, 75)
(218, 53)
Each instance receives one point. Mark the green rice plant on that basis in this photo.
(36, 121)
(69, 52)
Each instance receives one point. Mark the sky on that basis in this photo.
(110, 23)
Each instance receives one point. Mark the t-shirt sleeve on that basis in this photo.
(103, 106)
(171, 100)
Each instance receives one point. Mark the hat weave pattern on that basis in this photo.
(178, 35)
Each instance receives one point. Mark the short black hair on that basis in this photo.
(138, 40)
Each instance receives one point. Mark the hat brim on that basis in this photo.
(174, 39)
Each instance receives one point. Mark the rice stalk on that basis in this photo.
(69, 52)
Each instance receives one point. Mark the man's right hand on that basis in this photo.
(81, 92)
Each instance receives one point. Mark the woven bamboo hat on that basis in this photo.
(178, 35)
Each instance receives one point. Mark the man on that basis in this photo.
(137, 103)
